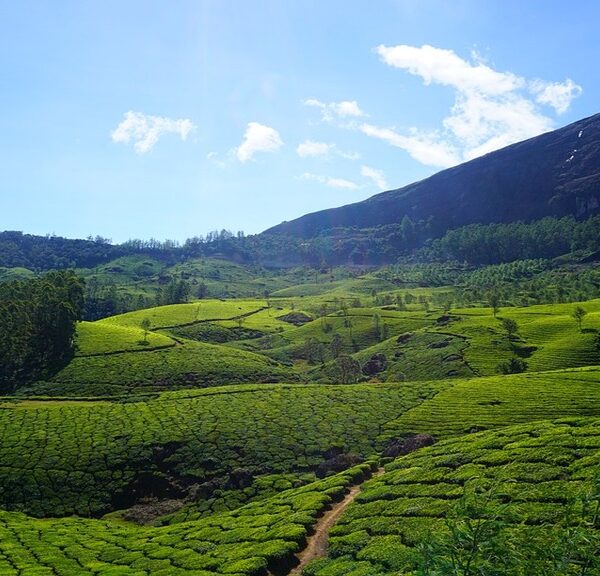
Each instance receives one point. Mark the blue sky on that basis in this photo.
(169, 119)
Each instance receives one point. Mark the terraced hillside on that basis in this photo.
(492, 402)
(533, 487)
(255, 537)
(188, 439)
(87, 458)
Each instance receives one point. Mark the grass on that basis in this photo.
(90, 458)
(535, 472)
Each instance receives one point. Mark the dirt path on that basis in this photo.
(317, 542)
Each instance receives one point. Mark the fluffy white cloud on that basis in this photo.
(312, 148)
(144, 130)
(492, 109)
(377, 176)
(258, 138)
(333, 110)
(340, 183)
(559, 95)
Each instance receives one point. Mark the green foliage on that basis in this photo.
(495, 401)
(347, 369)
(513, 366)
(521, 501)
(37, 325)
(97, 338)
(245, 542)
(174, 366)
(578, 315)
(510, 327)
(495, 243)
(98, 456)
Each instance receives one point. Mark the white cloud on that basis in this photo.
(559, 95)
(333, 110)
(214, 158)
(492, 109)
(340, 183)
(437, 66)
(349, 155)
(377, 176)
(428, 149)
(312, 148)
(144, 130)
(258, 138)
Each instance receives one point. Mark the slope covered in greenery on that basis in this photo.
(255, 537)
(98, 456)
(531, 488)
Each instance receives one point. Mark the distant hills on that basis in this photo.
(555, 174)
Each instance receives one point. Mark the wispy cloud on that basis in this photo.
(377, 176)
(492, 109)
(214, 158)
(145, 131)
(334, 110)
(311, 148)
(340, 183)
(429, 149)
(258, 138)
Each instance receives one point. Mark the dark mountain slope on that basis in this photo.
(555, 174)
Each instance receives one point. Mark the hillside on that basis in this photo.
(237, 436)
(555, 174)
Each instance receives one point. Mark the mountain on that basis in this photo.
(555, 174)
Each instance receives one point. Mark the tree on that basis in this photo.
(202, 290)
(578, 315)
(510, 327)
(347, 369)
(145, 325)
(513, 366)
(38, 319)
(494, 302)
(336, 345)
(314, 351)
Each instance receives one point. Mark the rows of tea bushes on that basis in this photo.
(548, 337)
(256, 537)
(224, 499)
(180, 314)
(96, 338)
(488, 500)
(86, 458)
(188, 364)
(420, 355)
(495, 401)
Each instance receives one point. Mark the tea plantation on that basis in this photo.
(60, 458)
(536, 482)
(247, 541)
(188, 438)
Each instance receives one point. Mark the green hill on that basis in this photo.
(526, 486)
